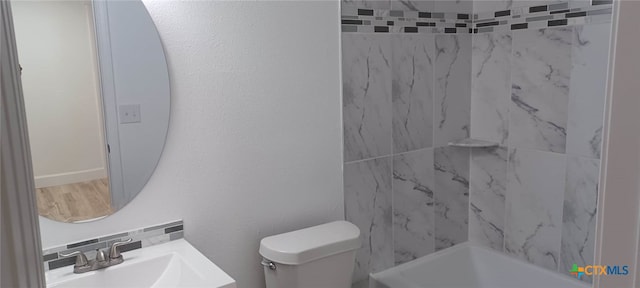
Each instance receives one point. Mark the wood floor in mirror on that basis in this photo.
(75, 202)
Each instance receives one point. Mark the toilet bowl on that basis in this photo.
(322, 256)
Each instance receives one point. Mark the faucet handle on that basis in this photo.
(81, 259)
(113, 251)
(100, 256)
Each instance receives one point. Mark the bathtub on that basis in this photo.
(470, 266)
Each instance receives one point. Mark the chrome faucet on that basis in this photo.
(101, 261)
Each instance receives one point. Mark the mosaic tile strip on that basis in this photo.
(533, 17)
(144, 237)
(399, 21)
(536, 17)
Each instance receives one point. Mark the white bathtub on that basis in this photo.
(470, 266)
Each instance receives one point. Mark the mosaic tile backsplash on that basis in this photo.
(528, 75)
(368, 20)
(141, 238)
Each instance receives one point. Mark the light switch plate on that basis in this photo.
(129, 113)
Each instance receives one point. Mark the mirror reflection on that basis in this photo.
(96, 91)
(56, 46)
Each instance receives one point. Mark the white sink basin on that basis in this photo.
(172, 264)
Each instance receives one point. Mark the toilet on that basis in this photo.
(321, 256)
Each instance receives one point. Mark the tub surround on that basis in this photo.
(400, 112)
(552, 169)
(527, 76)
(398, 104)
(141, 238)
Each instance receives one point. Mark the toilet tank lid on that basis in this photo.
(301, 246)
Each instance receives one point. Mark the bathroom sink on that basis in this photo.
(172, 264)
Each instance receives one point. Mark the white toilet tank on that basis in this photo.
(322, 256)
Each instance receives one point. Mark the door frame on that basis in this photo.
(21, 252)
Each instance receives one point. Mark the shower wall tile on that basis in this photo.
(487, 191)
(413, 216)
(366, 95)
(539, 93)
(456, 6)
(529, 3)
(451, 196)
(491, 86)
(535, 186)
(452, 88)
(367, 4)
(579, 213)
(413, 5)
(541, 68)
(491, 5)
(368, 196)
(412, 70)
(588, 89)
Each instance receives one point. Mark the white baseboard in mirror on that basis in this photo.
(70, 177)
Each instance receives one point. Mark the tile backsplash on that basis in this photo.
(430, 19)
(144, 237)
(528, 75)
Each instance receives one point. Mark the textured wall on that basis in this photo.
(254, 143)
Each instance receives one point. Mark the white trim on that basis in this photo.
(96, 77)
(109, 104)
(21, 252)
(70, 177)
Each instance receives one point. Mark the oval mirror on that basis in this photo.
(96, 92)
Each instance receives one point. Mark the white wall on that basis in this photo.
(254, 145)
(56, 50)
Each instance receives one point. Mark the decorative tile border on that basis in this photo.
(543, 16)
(398, 21)
(533, 17)
(144, 237)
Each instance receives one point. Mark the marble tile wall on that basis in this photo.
(452, 88)
(539, 94)
(451, 196)
(413, 67)
(535, 185)
(458, 6)
(491, 86)
(413, 200)
(541, 67)
(405, 96)
(367, 190)
(487, 196)
(366, 88)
